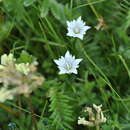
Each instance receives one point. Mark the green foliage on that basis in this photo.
(26, 58)
(58, 11)
(61, 110)
(28, 2)
(44, 9)
(123, 30)
(35, 30)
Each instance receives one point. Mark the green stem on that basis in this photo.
(71, 4)
(93, 9)
(97, 127)
(113, 42)
(24, 110)
(104, 77)
(92, 3)
(125, 65)
(46, 102)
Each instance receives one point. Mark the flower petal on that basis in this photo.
(68, 64)
(78, 61)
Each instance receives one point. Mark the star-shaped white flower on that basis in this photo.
(77, 28)
(68, 64)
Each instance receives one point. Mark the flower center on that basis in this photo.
(76, 30)
(68, 66)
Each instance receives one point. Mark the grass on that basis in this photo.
(39, 28)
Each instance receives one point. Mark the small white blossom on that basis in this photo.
(95, 116)
(5, 94)
(23, 68)
(81, 120)
(97, 108)
(68, 64)
(104, 119)
(77, 28)
(7, 59)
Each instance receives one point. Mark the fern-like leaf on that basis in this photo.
(61, 110)
(123, 29)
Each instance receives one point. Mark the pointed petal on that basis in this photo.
(74, 71)
(70, 33)
(80, 36)
(79, 18)
(68, 23)
(86, 28)
(67, 54)
(57, 62)
(62, 71)
(78, 61)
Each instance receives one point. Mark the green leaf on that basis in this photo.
(62, 113)
(5, 30)
(45, 5)
(57, 10)
(8, 4)
(26, 58)
(28, 2)
(16, 10)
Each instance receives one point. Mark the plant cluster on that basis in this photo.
(91, 39)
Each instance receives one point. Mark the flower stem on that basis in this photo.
(97, 127)
(93, 9)
(125, 65)
(104, 77)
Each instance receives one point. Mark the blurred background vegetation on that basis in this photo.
(39, 28)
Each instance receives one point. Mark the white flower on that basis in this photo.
(97, 108)
(7, 59)
(77, 28)
(23, 68)
(5, 94)
(103, 119)
(81, 121)
(68, 64)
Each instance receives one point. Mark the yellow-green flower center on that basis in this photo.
(68, 66)
(76, 30)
